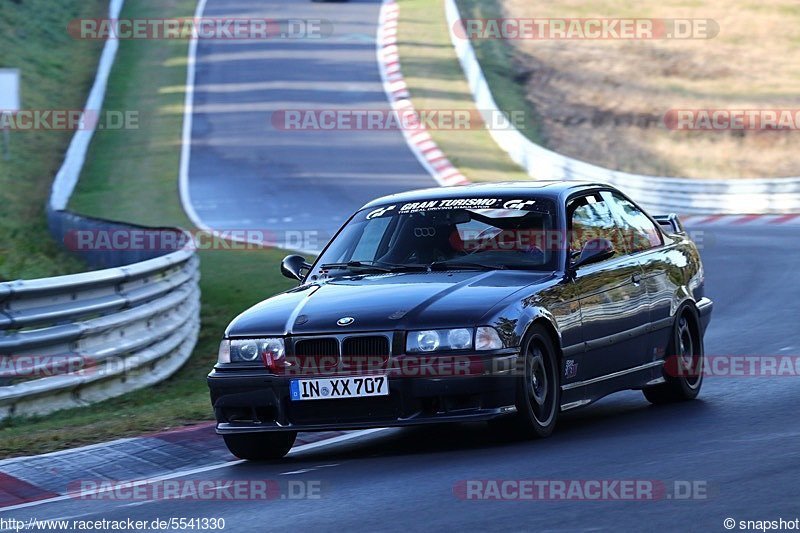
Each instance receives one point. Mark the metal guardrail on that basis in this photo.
(660, 193)
(73, 340)
(69, 341)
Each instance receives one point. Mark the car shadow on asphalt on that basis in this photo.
(629, 415)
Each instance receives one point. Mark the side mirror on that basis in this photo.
(594, 251)
(292, 266)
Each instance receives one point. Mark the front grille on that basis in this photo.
(378, 345)
(365, 353)
(317, 347)
(315, 356)
(359, 353)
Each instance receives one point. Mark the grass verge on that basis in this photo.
(436, 82)
(57, 73)
(131, 175)
(606, 101)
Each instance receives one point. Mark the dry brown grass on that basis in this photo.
(603, 101)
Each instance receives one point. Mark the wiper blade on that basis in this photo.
(374, 265)
(409, 267)
(444, 265)
(353, 265)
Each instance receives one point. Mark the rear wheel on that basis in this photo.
(683, 370)
(260, 446)
(538, 390)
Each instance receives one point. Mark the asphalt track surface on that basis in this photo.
(741, 438)
(246, 170)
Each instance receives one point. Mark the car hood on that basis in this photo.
(384, 302)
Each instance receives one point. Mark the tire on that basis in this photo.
(260, 446)
(683, 370)
(539, 388)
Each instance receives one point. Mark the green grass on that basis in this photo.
(497, 62)
(131, 175)
(436, 82)
(602, 101)
(57, 73)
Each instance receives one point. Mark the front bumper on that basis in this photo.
(253, 400)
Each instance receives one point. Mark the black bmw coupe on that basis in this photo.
(506, 302)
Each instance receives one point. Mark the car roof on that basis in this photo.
(554, 189)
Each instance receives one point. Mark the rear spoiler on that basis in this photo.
(670, 223)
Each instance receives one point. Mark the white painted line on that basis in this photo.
(186, 152)
(67, 177)
(307, 470)
(334, 440)
(188, 117)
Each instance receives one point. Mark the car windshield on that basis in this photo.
(444, 234)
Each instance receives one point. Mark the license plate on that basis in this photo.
(334, 388)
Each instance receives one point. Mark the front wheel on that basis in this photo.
(683, 370)
(538, 389)
(260, 446)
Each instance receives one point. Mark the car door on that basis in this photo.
(613, 301)
(645, 243)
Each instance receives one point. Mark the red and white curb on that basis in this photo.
(419, 140)
(741, 220)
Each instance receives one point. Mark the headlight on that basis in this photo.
(248, 351)
(428, 341)
(460, 339)
(434, 340)
(270, 351)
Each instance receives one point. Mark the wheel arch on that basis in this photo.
(697, 325)
(549, 326)
(687, 304)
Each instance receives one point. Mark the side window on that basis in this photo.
(590, 218)
(639, 232)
